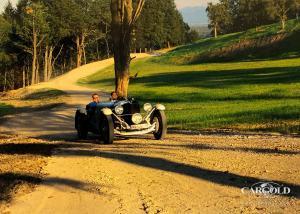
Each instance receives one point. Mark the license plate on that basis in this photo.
(139, 126)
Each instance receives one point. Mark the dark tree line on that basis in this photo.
(161, 26)
(41, 39)
(229, 16)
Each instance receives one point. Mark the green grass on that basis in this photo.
(42, 94)
(24, 100)
(259, 95)
(193, 53)
(6, 109)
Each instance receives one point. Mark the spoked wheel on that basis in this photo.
(82, 131)
(107, 129)
(160, 120)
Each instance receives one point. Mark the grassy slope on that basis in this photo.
(258, 95)
(30, 100)
(189, 53)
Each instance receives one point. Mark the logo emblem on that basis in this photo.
(267, 189)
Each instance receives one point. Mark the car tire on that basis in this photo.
(81, 126)
(161, 124)
(107, 129)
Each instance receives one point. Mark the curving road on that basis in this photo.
(182, 174)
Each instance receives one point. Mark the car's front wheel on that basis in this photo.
(160, 120)
(107, 129)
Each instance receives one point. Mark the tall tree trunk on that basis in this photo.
(24, 77)
(37, 74)
(46, 60)
(27, 75)
(84, 56)
(50, 64)
(215, 32)
(107, 48)
(106, 42)
(34, 59)
(123, 17)
(283, 23)
(83, 47)
(79, 51)
(80, 43)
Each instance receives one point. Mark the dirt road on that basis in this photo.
(182, 174)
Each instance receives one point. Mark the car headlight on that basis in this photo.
(147, 107)
(119, 109)
(137, 118)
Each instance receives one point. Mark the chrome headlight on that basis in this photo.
(119, 109)
(147, 107)
(137, 118)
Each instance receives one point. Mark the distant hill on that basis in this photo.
(194, 16)
(268, 42)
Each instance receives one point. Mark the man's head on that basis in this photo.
(113, 95)
(96, 98)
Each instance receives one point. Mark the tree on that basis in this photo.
(32, 29)
(282, 9)
(5, 58)
(217, 15)
(123, 19)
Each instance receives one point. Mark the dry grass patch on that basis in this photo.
(21, 163)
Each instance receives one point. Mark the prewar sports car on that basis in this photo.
(121, 118)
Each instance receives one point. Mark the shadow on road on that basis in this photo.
(9, 180)
(89, 150)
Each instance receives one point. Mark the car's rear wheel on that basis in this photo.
(107, 129)
(81, 126)
(160, 120)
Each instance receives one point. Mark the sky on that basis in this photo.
(192, 3)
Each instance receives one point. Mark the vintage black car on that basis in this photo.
(121, 118)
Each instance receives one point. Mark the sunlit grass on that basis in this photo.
(192, 53)
(260, 95)
(24, 100)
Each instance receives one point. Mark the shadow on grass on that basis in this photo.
(44, 94)
(6, 109)
(218, 79)
(223, 79)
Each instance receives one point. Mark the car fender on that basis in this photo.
(107, 111)
(160, 107)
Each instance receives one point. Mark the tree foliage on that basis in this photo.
(239, 15)
(41, 39)
(160, 26)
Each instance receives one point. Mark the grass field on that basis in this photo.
(5, 109)
(290, 47)
(30, 100)
(257, 95)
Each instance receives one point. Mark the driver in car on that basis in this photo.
(113, 96)
(94, 103)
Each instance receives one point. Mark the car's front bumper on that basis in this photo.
(130, 132)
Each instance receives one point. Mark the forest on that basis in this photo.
(42, 39)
